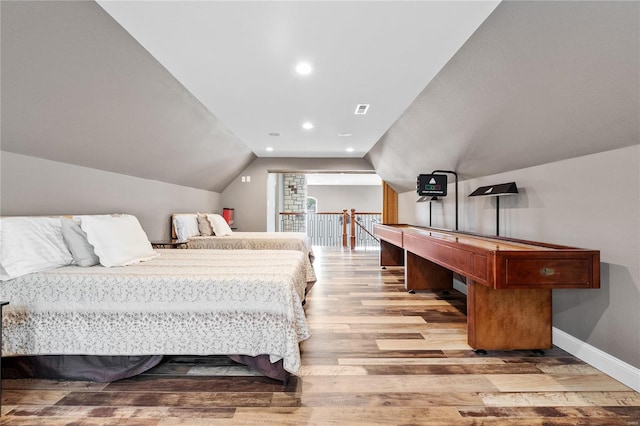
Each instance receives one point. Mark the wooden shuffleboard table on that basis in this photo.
(509, 281)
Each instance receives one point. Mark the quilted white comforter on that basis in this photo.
(197, 302)
(298, 241)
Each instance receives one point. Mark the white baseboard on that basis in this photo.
(619, 370)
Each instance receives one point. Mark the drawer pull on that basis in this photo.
(547, 272)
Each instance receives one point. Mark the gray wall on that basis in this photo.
(334, 198)
(591, 202)
(33, 186)
(250, 198)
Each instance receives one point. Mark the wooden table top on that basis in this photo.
(485, 243)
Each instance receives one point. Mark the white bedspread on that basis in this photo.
(198, 302)
(298, 241)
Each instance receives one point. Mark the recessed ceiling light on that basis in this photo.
(303, 68)
(269, 148)
(274, 134)
(307, 126)
(344, 135)
(350, 149)
(361, 109)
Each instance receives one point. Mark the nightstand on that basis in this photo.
(2, 303)
(168, 244)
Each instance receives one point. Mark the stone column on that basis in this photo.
(295, 201)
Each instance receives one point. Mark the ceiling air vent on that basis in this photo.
(362, 108)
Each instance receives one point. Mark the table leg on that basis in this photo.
(390, 254)
(508, 319)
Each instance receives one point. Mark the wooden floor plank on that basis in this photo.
(391, 319)
(348, 415)
(420, 361)
(398, 383)
(555, 382)
(446, 342)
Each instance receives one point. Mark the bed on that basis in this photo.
(199, 231)
(244, 303)
(254, 241)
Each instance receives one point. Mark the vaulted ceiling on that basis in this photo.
(78, 89)
(239, 60)
(538, 82)
(188, 92)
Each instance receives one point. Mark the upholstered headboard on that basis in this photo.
(174, 235)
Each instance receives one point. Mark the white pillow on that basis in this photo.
(3, 274)
(31, 244)
(219, 225)
(83, 253)
(118, 240)
(186, 226)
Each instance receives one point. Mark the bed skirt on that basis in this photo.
(77, 367)
(111, 368)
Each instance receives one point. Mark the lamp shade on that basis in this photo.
(496, 190)
(228, 215)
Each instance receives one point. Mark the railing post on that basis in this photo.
(353, 229)
(344, 227)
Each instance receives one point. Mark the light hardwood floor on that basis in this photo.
(378, 356)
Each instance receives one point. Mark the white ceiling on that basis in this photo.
(367, 179)
(238, 59)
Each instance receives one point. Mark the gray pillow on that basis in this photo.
(76, 239)
(204, 226)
